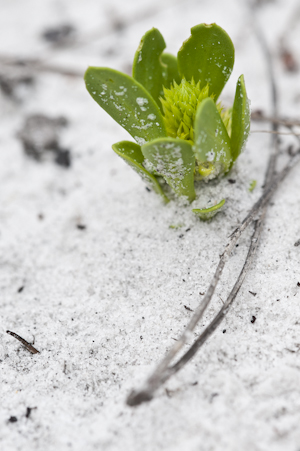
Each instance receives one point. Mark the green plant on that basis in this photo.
(169, 106)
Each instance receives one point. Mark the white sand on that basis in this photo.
(105, 303)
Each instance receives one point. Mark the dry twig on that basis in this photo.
(163, 371)
(273, 132)
(35, 65)
(287, 122)
(27, 345)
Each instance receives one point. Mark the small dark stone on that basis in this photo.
(81, 226)
(40, 135)
(63, 158)
(297, 243)
(59, 35)
(28, 412)
(110, 51)
(298, 284)
(118, 24)
(232, 181)
(288, 60)
(187, 230)
(188, 308)
(148, 189)
(224, 331)
(253, 319)
(213, 395)
(20, 289)
(11, 81)
(290, 150)
(257, 113)
(181, 235)
(13, 419)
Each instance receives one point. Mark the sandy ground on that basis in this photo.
(91, 271)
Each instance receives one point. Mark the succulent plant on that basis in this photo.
(169, 106)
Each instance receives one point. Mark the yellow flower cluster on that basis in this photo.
(180, 104)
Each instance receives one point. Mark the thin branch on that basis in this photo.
(287, 122)
(163, 371)
(36, 65)
(264, 46)
(273, 132)
(209, 330)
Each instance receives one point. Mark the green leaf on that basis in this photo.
(207, 213)
(152, 68)
(147, 68)
(170, 70)
(132, 154)
(174, 159)
(208, 56)
(252, 185)
(240, 127)
(127, 102)
(212, 143)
